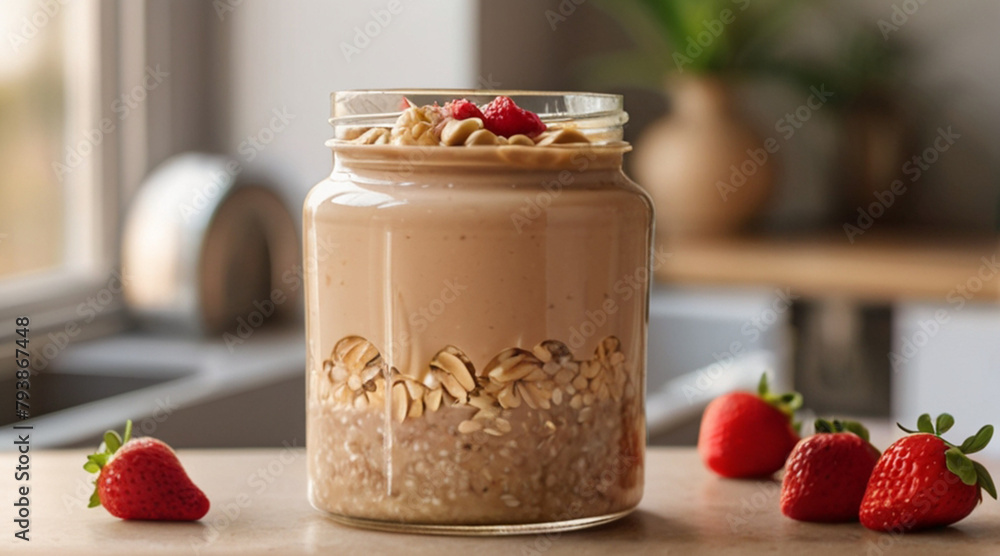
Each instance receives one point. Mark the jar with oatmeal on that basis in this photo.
(476, 277)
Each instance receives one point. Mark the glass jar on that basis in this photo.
(476, 324)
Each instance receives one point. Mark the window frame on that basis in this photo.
(64, 297)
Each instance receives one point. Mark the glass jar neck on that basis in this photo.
(599, 117)
(415, 160)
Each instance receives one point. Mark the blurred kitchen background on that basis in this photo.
(824, 174)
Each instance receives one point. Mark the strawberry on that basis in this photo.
(747, 435)
(142, 478)
(924, 481)
(826, 474)
(462, 109)
(503, 117)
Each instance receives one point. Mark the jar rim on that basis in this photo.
(598, 115)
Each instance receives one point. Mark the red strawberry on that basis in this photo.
(462, 109)
(143, 479)
(747, 435)
(826, 474)
(503, 117)
(923, 481)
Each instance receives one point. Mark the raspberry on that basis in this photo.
(505, 118)
(462, 109)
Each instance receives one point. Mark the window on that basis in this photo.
(58, 198)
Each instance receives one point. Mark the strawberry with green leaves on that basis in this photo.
(749, 435)
(827, 473)
(924, 481)
(142, 478)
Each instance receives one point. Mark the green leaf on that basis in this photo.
(944, 423)
(858, 429)
(95, 500)
(961, 465)
(616, 70)
(787, 403)
(112, 441)
(822, 426)
(792, 400)
(100, 459)
(128, 432)
(978, 441)
(924, 424)
(642, 25)
(985, 481)
(91, 467)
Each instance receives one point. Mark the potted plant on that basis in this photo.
(698, 162)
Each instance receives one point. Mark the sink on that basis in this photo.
(57, 391)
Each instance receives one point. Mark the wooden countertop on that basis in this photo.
(259, 506)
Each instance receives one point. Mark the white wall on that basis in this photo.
(280, 55)
(950, 363)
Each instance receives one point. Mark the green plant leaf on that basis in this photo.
(792, 400)
(128, 432)
(978, 441)
(985, 481)
(95, 500)
(100, 459)
(91, 467)
(823, 426)
(787, 403)
(642, 26)
(944, 423)
(858, 429)
(960, 464)
(615, 70)
(762, 387)
(924, 424)
(112, 441)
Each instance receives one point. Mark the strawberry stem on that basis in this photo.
(956, 457)
(788, 402)
(96, 461)
(824, 426)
